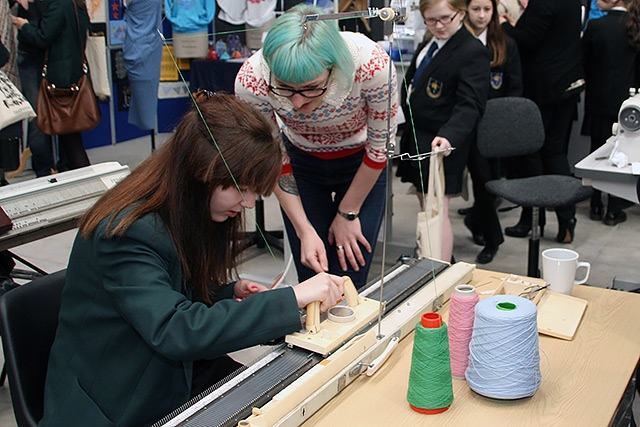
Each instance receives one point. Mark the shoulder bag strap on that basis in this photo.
(85, 67)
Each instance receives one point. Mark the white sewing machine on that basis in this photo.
(597, 168)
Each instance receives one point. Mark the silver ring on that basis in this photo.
(339, 248)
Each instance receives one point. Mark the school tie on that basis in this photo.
(425, 62)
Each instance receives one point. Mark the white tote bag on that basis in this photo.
(429, 226)
(96, 53)
(13, 105)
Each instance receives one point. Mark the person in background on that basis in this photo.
(610, 49)
(444, 101)
(512, 7)
(548, 38)
(505, 80)
(337, 100)
(30, 62)
(149, 308)
(61, 32)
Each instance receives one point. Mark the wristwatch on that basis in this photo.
(349, 215)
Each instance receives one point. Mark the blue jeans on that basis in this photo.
(322, 184)
(30, 69)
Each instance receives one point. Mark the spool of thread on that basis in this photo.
(461, 314)
(430, 385)
(504, 354)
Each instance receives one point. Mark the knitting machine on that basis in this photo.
(289, 382)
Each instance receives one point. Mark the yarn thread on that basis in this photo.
(430, 384)
(461, 315)
(504, 354)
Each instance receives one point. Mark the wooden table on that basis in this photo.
(583, 380)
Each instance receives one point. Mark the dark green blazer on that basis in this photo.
(58, 32)
(129, 331)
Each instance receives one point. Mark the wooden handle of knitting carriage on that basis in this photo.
(313, 309)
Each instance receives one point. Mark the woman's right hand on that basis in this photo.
(323, 287)
(312, 252)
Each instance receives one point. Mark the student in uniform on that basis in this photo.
(548, 38)
(505, 80)
(150, 306)
(444, 101)
(610, 49)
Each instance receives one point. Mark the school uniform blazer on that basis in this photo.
(450, 96)
(447, 101)
(548, 37)
(506, 80)
(612, 65)
(129, 332)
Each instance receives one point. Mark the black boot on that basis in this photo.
(566, 230)
(523, 227)
(486, 254)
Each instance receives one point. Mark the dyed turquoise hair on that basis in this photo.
(296, 54)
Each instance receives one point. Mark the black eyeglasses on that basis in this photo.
(313, 92)
(444, 20)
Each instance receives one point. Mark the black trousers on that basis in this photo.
(483, 217)
(72, 152)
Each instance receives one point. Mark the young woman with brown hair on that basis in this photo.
(505, 80)
(149, 309)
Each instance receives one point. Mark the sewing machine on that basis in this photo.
(597, 169)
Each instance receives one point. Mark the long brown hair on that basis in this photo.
(633, 22)
(495, 36)
(223, 143)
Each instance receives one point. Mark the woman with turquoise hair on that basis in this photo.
(337, 108)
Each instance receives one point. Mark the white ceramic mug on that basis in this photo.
(559, 267)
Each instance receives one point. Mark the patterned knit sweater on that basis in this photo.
(348, 120)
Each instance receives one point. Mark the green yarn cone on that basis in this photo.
(430, 383)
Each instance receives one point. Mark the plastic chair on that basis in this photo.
(28, 323)
(512, 126)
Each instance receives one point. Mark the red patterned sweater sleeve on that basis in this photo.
(381, 113)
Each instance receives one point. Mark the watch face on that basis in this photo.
(349, 215)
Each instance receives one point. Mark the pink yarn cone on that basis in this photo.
(461, 315)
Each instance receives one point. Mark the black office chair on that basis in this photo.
(512, 126)
(28, 323)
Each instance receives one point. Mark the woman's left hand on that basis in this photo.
(346, 235)
(243, 288)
